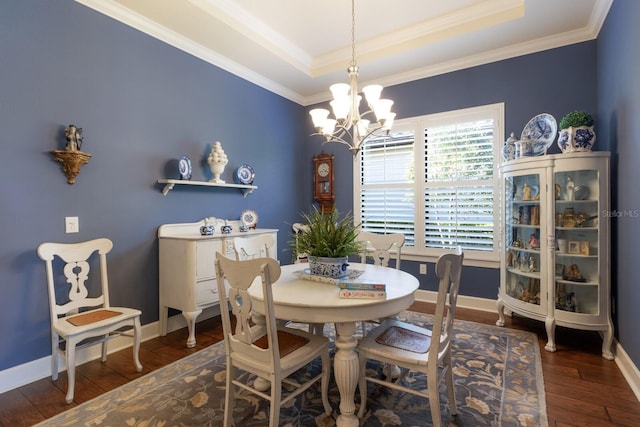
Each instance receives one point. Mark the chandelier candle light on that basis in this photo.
(348, 127)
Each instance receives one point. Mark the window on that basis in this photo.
(434, 179)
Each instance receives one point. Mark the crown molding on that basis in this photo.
(140, 23)
(143, 24)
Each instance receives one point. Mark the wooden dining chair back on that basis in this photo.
(413, 348)
(381, 247)
(255, 344)
(78, 314)
(259, 246)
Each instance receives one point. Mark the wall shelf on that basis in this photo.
(170, 183)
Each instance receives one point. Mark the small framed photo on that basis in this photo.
(559, 270)
(584, 248)
(573, 247)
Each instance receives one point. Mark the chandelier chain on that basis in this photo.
(353, 33)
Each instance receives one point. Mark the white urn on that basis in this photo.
(217, 161)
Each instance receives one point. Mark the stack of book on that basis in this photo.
(362, 290)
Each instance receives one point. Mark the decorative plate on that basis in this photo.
(245, 175)
(542, 129)
(184, 166)
(249, 218)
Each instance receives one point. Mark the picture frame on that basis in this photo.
(584, 248)
(559, 270)
(573, 247)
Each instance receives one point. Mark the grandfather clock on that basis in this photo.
(323, 192)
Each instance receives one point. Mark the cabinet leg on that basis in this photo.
(500, 321)
(190, 317)
(162, 322)
(607, 341)
(550, 324)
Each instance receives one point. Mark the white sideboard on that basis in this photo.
(187, 268)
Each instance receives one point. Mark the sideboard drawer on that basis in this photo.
(206, 292)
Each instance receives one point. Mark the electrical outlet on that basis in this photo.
(423, 268)
(71, 224)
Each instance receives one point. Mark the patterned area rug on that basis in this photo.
(497, 373)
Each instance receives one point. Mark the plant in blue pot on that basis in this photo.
(328, 241)
(576, 132)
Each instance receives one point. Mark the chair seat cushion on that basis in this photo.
(405, 339)
(92, 317)
(287, 342)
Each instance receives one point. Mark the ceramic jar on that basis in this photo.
(574, 139)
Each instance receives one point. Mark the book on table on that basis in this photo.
(361, 286)
(362, 290)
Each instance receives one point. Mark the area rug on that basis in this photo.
(497, 374)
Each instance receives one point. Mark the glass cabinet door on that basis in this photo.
(577, 283)
(523, 235)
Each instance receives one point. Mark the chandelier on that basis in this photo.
(348, 127)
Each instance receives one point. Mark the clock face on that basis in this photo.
(323, 169)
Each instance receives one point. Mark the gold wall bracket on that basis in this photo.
(71, 161)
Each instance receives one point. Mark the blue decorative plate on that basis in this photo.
(184, 167)
(249, 218)
(245, 175)
(542, 129)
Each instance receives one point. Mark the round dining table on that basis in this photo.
(298, 298)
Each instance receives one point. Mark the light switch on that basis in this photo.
(71, 224)
(423, 268)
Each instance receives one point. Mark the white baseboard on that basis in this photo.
(473, 303)
(26, 373)
(35, 370)
(628, 368)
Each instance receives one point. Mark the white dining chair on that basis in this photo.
(259, 246)
(414, 348)
(298, 228)
(80, 315)
(261, 347)
(381, 248)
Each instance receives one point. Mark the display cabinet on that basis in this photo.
(555, 242)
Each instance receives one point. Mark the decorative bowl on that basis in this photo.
(328, 267)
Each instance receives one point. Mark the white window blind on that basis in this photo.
(387, 198)
(433, 179)
(459, 185)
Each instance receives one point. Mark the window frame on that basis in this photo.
(418, 125)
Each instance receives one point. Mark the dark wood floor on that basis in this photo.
(582, 388)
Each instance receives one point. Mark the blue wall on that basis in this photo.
(142, 105)
(618, 112)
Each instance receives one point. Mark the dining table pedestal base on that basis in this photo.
(346, 371)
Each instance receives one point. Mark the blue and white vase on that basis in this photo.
(575, 139)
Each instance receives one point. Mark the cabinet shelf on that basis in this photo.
(531, 275)
(170, 183)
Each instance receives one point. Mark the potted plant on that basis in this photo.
(328, 241)
(576, 132)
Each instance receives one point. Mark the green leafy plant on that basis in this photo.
(328, 235)
(575, 119)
